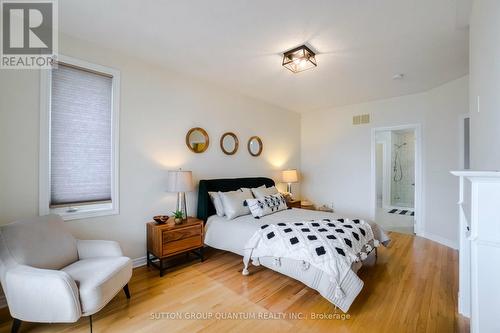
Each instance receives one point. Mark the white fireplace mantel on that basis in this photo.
(479, 262)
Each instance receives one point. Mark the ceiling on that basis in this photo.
(237, 44)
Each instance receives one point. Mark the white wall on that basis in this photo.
(158, 107)
(336, 155)
(485, 84)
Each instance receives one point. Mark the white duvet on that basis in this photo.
(332, 246)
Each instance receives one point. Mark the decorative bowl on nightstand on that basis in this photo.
(160, 219)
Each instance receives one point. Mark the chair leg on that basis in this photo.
(16, 324)
(90, 323)
(127, 291)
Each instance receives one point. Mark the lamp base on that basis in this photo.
(181, 205)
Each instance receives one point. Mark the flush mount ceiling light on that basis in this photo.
(299, 59)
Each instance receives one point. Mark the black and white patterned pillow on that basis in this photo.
(267, 205)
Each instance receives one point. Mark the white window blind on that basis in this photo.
(80, 136)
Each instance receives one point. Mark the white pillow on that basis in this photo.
(267, 205)
(262, 192)
(219, 208)
(234, 202)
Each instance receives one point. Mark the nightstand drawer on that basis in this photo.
(178, 234)
(294, 203)
(174, 247)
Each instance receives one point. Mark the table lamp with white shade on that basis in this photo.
(290, 176)
(181, 182)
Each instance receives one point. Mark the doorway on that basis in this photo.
(395, 172)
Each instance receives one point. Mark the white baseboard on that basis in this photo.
(463, 307)
(440, 240)
(138, 262)
(399, 225)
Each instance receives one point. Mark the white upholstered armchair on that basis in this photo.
(48, 276)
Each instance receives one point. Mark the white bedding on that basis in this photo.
(233, 235)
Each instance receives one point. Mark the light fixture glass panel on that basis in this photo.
(299, 59)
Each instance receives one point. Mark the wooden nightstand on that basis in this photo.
(304, 204)
(308, 206)
(293, 203)
(167, 240)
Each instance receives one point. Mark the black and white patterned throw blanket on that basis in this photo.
(329, 245)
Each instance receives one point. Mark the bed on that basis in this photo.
(233, 235)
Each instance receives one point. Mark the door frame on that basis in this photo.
(461, 140)
(419, 193)
(386, 174)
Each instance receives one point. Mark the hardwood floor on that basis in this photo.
(412, 288)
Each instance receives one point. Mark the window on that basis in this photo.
(79, 140)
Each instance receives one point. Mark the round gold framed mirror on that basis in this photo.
(255, 146)
(229, 143)
(197, 140)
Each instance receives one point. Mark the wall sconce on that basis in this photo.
(299, 59)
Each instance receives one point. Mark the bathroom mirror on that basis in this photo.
(229, 143)
(255, 146)
(197, 140)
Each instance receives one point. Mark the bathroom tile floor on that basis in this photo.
(394, 222)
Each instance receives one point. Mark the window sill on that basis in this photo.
(84, 212)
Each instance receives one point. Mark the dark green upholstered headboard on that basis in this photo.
(206, 207)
